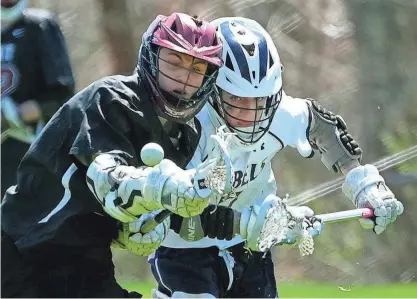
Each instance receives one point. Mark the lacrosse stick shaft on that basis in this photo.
(325, 218)
(346, 215)
(5, 135)
(152, 223)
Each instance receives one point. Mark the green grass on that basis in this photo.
(312, 290)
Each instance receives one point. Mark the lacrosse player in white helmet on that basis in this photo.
(201, 256)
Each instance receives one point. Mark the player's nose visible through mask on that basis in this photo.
(182, 82)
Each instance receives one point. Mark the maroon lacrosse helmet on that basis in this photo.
(187, 35)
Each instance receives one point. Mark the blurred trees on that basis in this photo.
(386, 43)
(118, 34)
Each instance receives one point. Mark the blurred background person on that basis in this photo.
(36, 79)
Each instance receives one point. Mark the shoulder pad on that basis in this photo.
(291, 124)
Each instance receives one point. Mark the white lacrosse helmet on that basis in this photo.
(251, 68)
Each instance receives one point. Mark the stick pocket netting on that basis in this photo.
(220, 178)
(279, 221)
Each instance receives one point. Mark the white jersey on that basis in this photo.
(253, 177)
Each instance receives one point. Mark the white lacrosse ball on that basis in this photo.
(152, 154)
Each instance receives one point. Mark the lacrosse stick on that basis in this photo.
(214, 176)
(17, 129)
(279, 220)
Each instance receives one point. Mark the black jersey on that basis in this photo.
(35, 63)
(51, 201)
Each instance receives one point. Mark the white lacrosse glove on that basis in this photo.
(286, 225)
(131, 239)
(178, 193)
(366, 188)
(126, 192)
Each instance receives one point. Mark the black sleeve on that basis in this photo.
(56, 68)
(104, 127)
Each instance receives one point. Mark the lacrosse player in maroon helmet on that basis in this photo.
(83, 176)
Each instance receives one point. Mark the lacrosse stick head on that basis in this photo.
(276, 226)
(215, 176)
(306, 245)
(280, 223)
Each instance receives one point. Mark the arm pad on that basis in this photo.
(328, 134)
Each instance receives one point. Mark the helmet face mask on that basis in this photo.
(180, 64)
(250, 81)
(182, 81)
(248, 117)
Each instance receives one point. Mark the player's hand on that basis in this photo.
(366, 188)
(131, 239)
(176, 189)
(30, 111)
(164, 186)
(126, 191)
